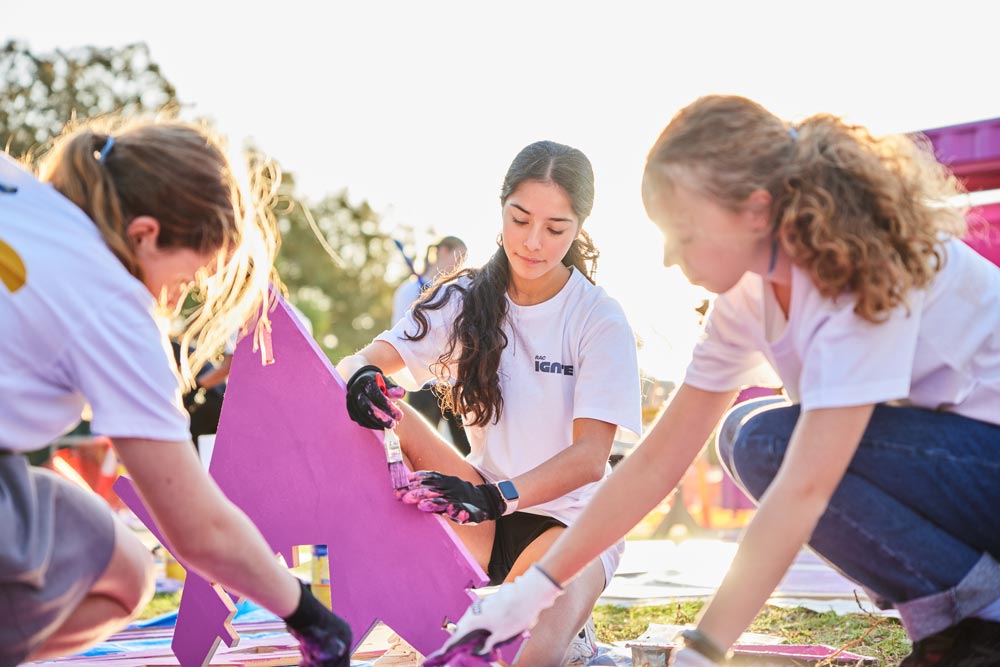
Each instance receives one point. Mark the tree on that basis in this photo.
(347, 302)
(348, 299)
(39, 94)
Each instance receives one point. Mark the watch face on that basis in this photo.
(508, 490)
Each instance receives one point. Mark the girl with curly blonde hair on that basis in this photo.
(838, 265)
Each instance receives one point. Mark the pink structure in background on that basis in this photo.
(290, 457)
(972, 152)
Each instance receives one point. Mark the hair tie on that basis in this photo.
(793, 133)
(108, 145)
(774, 253)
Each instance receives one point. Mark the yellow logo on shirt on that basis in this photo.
(12, 270)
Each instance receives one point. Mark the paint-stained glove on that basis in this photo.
(498, 619)
(368, 399)
(460, 501)
(324, 637)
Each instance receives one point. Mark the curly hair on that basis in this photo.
(467, 369)
(860, 213)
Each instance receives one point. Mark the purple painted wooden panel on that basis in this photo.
(291, 458)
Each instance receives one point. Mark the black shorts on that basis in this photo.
(514, 533)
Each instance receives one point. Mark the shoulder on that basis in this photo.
(594, 303)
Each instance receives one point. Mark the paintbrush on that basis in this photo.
(393, 452)
(394, 456)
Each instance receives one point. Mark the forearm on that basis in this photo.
(636, 486)
(820, 450)
(235, 555)
(780, 527)
(347, 366)
(641, 481)
(567, 471)
(202, 526)
(377, 353)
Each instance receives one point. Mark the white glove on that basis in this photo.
(499, 618)
(688, 657)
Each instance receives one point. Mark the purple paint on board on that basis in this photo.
(288, 454)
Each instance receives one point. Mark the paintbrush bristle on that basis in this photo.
(394, 456)
(399, 475)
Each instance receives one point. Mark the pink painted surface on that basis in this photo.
(984, 231)
(972, 150)
(291, 458)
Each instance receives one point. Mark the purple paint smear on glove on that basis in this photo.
(431, 500)
(465, 653)
(327, 646)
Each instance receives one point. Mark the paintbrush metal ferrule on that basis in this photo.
(393, 451)
(398, 473)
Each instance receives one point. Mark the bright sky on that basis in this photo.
(419, 107)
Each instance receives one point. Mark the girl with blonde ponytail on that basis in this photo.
(121, 222)
(841, 277)
(541, 364)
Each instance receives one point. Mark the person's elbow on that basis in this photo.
(593, 470)
(214, 537)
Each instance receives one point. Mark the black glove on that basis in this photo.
(324, 637)
(368, 399)
(460, 501)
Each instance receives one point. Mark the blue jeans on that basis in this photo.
(916, 518)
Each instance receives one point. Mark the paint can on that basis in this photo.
(320, 574)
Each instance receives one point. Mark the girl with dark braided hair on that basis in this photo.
(541, 364)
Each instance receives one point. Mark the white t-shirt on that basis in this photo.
(573, 356)
(80, 329)
(942, 354)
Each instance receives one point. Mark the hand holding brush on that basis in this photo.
(369, 403)
(369, 399)
(393, 451)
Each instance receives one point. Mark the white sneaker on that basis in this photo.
(399, 654)
(583, 648)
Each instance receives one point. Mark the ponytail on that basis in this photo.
(178, 173)
(73, 168)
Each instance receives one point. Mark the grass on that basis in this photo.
(874, 636)
(879, 637)
(161, 604)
